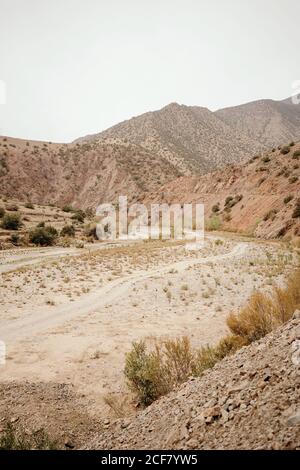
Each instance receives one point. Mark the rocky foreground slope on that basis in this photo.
(248, 401)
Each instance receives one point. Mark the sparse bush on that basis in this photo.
(216, 208)
(266, 159)
(90, 231)
(296, 212)
(292, 144)
(41, 224)
(67, 208)
(213, 223)
(15, 239)
(29, 205)
(255, 320)
(2, 212)
(293, 179)
(13, 439)
(11, 221)
(265, 312)
(79, 216)
(285, 150)
(143, 374)
(155, 373)
(296, 154)
(43, 236)
(287, 199)
(67, 231)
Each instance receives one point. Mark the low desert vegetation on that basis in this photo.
(67, 208)
(296, 154)
(29, 205)
(287, 199)
(285, 150)
(296, 212)
(43, 236)
(11, 221)
(2, 212)
(153, 373)
(18, 439)
(67, 231)
(214, 223)
(79, 216)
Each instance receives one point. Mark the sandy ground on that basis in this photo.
(70, 317)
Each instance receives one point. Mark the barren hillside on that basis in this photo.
(192, 138)
(197, 140)
(247, 401)
(259, 197)
(81, 174)
(268, 122)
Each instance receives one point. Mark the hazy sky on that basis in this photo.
(74, 67)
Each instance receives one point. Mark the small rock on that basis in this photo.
(296, 314)
(69, 444)
(294, 419)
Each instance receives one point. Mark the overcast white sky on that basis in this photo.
(74, 67)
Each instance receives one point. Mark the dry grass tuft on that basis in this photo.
(265, 312)
(152, 374)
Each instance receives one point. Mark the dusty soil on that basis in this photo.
(70, 320)
(247, 401)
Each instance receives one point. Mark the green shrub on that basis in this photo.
(143, 374)
(43, 236)
(67, 231)
(285, 150)
(12, 221)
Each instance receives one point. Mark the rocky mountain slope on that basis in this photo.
(197, 140)
(192, 138)
(247, 401)
(268, 122)
(258, 197)
(81, 174)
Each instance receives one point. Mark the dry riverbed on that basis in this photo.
(70, 320)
